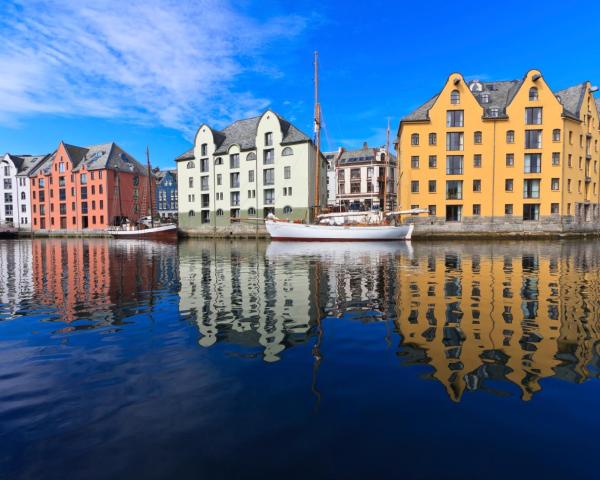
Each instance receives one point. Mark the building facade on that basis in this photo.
(80, 188)
(254, 167)
(15, 204)
(510, 156)
(166, 193)
(359, 178)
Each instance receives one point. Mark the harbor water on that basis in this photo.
(250, 359)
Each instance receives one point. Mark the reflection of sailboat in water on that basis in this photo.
(339, 251)
(143, 227)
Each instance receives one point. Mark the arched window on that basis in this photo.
(414, 139)
(533, 94)
(22, 195)
(287, 210)
(191, 213)
(510, 136)
(556, 135)
(287, 151)
(190, 165)
(455, 97)
(219, 161)
(252, 211)
(219, 212)
(251, 156)
(477, 137)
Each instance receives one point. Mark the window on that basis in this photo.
(251, 157)
(287, 173)
(41, 183)
(6, 170)
(453, 213)
(234, 160)
(83, 193)
(533, 163)
(219, 212)
(414, 161)
(454, 190)
(570, 162)
(569, 185)
(432, 186)
(204, 183)
(554, 208)
(204, 164)
(477, 185)
(555, 184)
(252, 211)
(531, 188)
(531, 211)
(508, 209)
(204, 149)
(510, 136)
(454, 141)
(269, 176)
(61, 167)
(556, 158)
(287, 151)
(234, 180)
(508, 185)
(494, 112)
(432, 139)
(191, 213)
(533, 139)
(477, 160)
(82, 179)
(287, 210)
(414, 139)
(7, 184)
(533, 115)
(234, 198)
(219, 179)
(485, 98)
(455, 118)
(269, 196)
(414, 186)
(510, 159)
(476, 209)
(23, 196)
(268, 156)
(454, 165)
(477, 138)
(533, 94)
(432, 161)
(268, 139)
(455, 97)
(251, 176)
(191, 182)
(432, 210)
(219, 161)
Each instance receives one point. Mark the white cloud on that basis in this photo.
(168, 62)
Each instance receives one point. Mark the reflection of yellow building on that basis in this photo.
(502, 156)
(482, 312)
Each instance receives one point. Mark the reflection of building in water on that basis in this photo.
(484, 312)
(93, 278)
(236, 294)
(16, 284)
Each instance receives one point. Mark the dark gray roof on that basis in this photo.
(362, 155)
(25, 164)
(96, 157)
(494, 97)
(243, 133)
(160, 174)
(571, 99)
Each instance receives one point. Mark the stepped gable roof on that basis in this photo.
(571, 99)
(243, 133)
(500, 94)
(99, 157)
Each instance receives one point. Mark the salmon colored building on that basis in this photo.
(80, 188)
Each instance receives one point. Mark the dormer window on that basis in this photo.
(190, 165)
(533, 94)
(485, 98)
(455, 97)
(268, 139)
(494, 112)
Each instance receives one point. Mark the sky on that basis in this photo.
(150, 72)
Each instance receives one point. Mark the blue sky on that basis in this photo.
(150, 71)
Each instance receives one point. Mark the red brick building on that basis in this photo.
(92, 187)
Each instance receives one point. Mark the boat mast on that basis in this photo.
(385, 164)
(149, 185)
(317, 121)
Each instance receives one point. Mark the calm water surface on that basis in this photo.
(124, 359)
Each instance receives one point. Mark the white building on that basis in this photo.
(331, 177)
(249, 169)
(359, 178)
(15, 204)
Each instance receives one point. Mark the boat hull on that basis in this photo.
(162, 232)
(333, 233)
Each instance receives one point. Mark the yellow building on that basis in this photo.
(507, 156)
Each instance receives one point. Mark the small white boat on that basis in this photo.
(165, 231)
(342, 227)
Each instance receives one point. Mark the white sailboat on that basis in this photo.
(346, 226)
